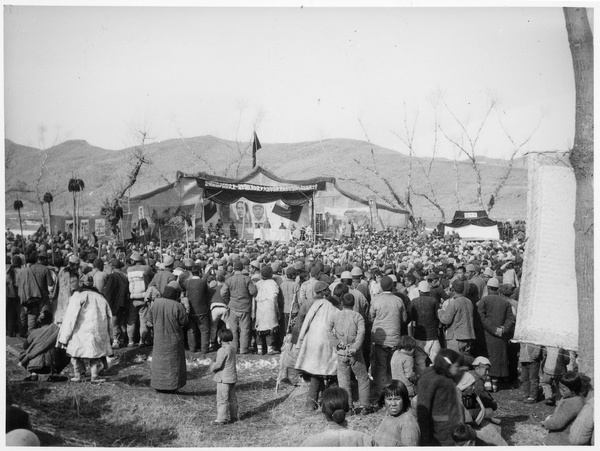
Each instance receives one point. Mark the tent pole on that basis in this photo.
(312, 219)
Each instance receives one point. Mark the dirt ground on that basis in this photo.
(125, 411)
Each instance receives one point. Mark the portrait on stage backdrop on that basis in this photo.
(258, 215)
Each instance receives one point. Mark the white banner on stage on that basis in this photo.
(548, 312)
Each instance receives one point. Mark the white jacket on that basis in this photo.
(86, 328)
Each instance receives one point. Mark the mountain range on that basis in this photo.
(346, 159)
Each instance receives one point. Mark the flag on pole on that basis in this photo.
(255, 146)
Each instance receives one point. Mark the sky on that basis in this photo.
(293, 74)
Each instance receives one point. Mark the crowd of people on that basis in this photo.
(421, 321)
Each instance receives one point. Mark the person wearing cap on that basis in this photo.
(265, 311)
(457, 316)
(477, 415)
(168, 318)
(386, 316)
(34, 283)
(481, 369)
(317, 356)
(67, 281)
(307, 292)
(139, 275)
(196, 290)
(425, 325)
(116, 292)
(498, 322)
(93, 341)
(472, 274)
(237, 292)
(346, 330)
(164, 276)
(436, 291)
(359, 283)
(98, 274)
(186, 271)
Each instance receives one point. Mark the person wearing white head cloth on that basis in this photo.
(86, 330)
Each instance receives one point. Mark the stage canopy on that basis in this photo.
(473, 225)
(261, 196)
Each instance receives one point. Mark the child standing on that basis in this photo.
(346, 330)
(403, 364)
(530, 356)
(226, 378)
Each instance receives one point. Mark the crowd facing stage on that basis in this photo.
(423, 322)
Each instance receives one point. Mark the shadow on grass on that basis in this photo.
(64, 417)
(509, 426)
(265, 407)
(135, 380)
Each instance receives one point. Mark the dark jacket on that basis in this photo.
(197, 293)
(439, 408)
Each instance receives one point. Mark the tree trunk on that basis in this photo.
(582, 160)
(43, 214)
(75, 225)
(49, 218)
(21, 227)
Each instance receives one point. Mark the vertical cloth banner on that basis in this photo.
(255, 146)
(548, 311)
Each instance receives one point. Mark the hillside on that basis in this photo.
(100, 169)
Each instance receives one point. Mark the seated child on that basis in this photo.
(573, 389)
(480, 371)
(403, 363)
(477, 415)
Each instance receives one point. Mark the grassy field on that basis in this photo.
(126, 412)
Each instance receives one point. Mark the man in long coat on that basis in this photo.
(498, 322)
(169, 317)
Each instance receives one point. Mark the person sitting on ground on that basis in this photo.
(582, 429)
(399, 427)
(335, 406)
(477, 415)
(464, 435)
(481, 367)
(40, 355)
(573, 389)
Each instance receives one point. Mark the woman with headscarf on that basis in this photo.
(86, 330)
(168, 317)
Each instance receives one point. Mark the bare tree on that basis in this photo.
(469, 150)
(467, 144)
(408, 139)
(112, 205)
(389, 194)
(581, 41)
(517, 147)
(43, 171)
